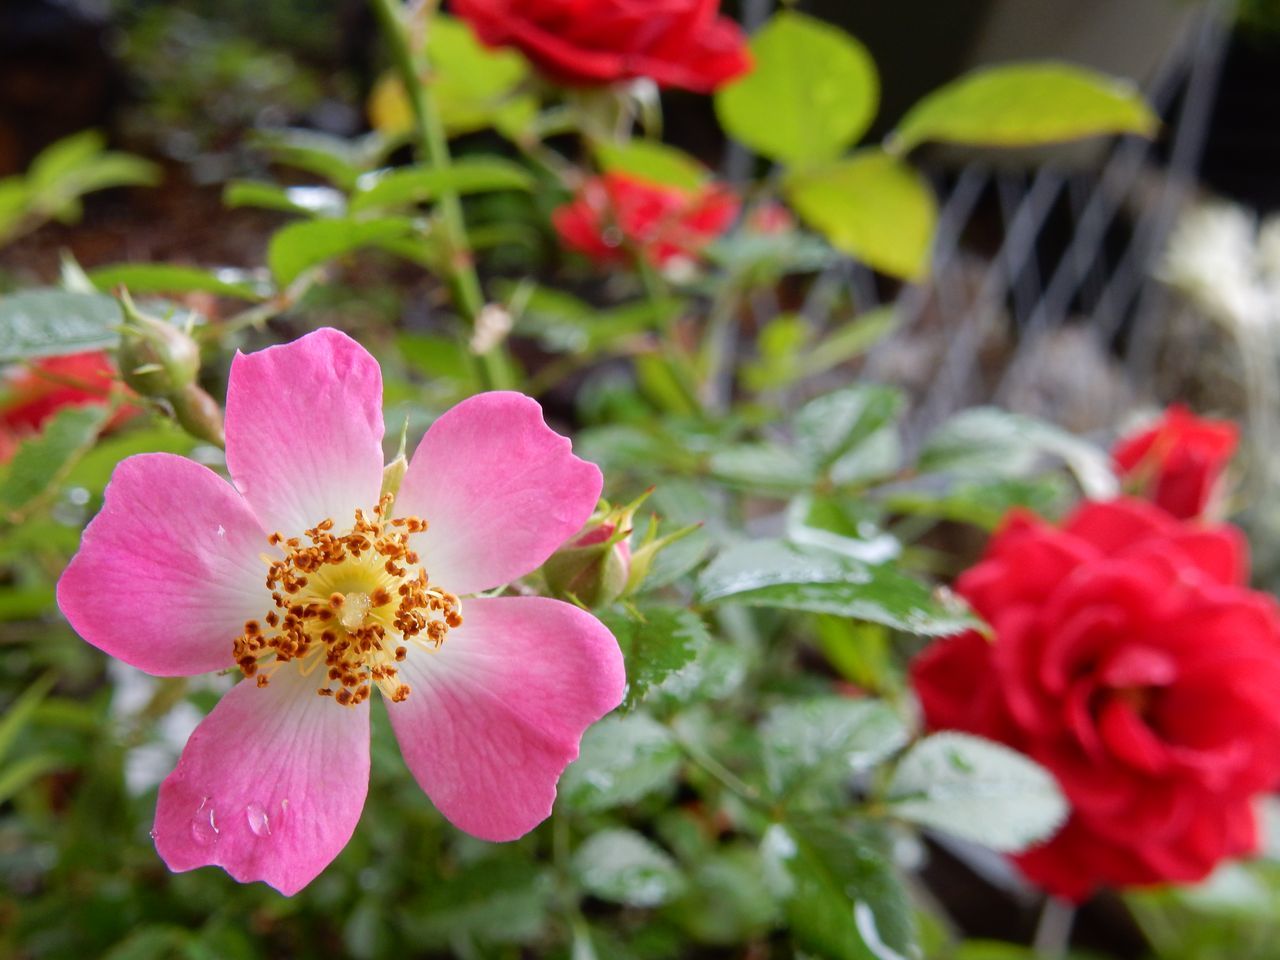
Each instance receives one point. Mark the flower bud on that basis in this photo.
(642, 559)
(199, 414)
(156, 358)
(593, 567)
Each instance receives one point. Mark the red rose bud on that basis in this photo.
(615, 218)
(1178, 462)
(1130, 660)
(676, 43)
(156, 358)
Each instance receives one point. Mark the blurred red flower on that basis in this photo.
(675, 43)
(31, 394)
(616, 216)
(1131, 661)
(1177, 461)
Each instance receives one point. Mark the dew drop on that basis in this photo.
(151, 834)
(204, 829)
(258, 821)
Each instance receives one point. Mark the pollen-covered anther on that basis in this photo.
(348, 607)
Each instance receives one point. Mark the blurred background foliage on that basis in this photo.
(740, 740)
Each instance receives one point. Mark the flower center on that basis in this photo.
(350, 604)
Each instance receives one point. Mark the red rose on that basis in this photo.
(676, 43)
(30, 395)
(614, 216)
(1178, 461)
(1130, 660)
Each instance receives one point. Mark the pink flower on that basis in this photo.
(320, 590)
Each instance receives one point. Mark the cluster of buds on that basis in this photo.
(598, 565)
(162, 361)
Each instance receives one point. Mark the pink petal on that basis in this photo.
(269, 787)
(169, 570)
(304, 431)
(500, 489)
(496, 714)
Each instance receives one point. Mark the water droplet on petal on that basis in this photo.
(151, 834)
(258, 821)
(204, 828)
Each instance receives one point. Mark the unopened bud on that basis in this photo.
(593, 567)
(156, 358)
(199, 414)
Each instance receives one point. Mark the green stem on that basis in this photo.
(713, 363)
(677, 359)
(434, 148)
(718, 771)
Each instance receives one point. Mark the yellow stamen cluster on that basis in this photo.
(352, 603)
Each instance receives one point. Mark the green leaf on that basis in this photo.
(470, 81)
(499, 899)
(826, 740)
(41, 461)
(835, 432)
(653, 162)
(1026, 104)
(51, 323)
(394, 189)
(812, 94)
(822, 874)
(663, 641)
(333, 158)
(19, 713)
(623, 867)
(871, 206)
(773, 573)
(977, 790)
(622, 759)
(764, 467)
(984, 503)
(141, 278)
(308, 201)
(988, 442)
(300, 246)
(16, 775)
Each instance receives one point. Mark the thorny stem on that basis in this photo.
(434, 147)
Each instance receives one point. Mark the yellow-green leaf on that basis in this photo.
(1027, 104)
(812, 94)
(871, 206)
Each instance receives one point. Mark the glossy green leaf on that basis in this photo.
(50, 323)
(986, 442)
(301, 246)
(773, 573)
(621, 866)
(623, 758)
(656, 642)
(827, 739)
(977, 790)
(1025, 104)
(871, 206)
(763, 467)
(851, 434)
(822, 873)
(812, 94)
